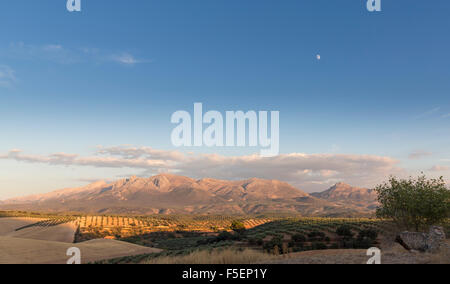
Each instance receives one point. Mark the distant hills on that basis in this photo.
(172, 194)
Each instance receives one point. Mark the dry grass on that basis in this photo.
(219, 256)
(443, 257)
(330, 256)
(396, 254)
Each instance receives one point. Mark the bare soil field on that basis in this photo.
(29, 251)
(61, 233)
(8, 225)
(43, 245)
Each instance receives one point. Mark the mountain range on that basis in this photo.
(172, 194)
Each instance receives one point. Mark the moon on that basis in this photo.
(318, 56)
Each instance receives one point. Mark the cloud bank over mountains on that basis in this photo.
(310, 172)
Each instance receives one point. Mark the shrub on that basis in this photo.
(255, 241)
(227, 236)
(319, 246)
(366, 239)
(316, 236)
(370, 234)
(297, 249)
(296, 244)
(275, 242)
(363, 243)
(298, 238)
(344, 231)
(348, 244)
(334, 246)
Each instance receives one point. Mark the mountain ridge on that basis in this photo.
(173, 194)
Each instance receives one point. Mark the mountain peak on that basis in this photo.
(341, 185)
(345, 193)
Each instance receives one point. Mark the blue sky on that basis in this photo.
(113, 74)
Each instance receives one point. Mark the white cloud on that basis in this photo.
(53, 47)
(7, 76)
(307, 171)
(428, 113)
(65, 55)
(419, 154)
(131, 152)
(126, 59)
(48, 52)
(439, 168)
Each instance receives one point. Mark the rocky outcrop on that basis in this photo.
(424, 242)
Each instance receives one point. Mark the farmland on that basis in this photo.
(30, 238)
(120, 227)
(171, 236)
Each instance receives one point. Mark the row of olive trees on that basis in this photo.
(414, 203)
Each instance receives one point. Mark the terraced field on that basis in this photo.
(292, 226)
(119, 226)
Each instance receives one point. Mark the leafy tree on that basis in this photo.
(298, 238)
(366, 238)
(316, 236)
(414, 203)
(274, 245)
(370, 234)
(345, 232)
(117, 232)
(237, 226)
(318, 246)
(225, 236)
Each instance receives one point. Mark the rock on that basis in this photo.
(436, 238)
(423, 242)
(412, 240)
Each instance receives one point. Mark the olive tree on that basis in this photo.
(414, 203)
(237, 226)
